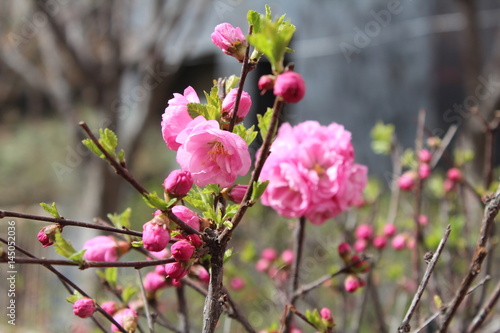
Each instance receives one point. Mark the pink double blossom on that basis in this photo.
(229, 102)
(230, 40)
(176, 116)
(84, 307)
(178, 183)
(213, 156)
(155, 237)
(102, 248)
(187, 216)
(127, 318)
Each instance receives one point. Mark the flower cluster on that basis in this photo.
(352, 281)
(276, 267)
(312, 172)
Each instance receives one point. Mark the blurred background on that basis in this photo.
(116, 63)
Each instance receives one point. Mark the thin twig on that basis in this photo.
(146, 303)
(66, 222)
(481, 316)
(183, 309)
(405, 325)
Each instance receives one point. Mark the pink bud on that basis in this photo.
(352, 283)
(379, 242)
(101, 248)
(230, 100)
(399, 242)
(187, 216)
(424, 156)
(411, 243)
(390, 230)
(262, 265)
(287, 257)
(175, 270)
(424, 171)
(269, 254)
(290, 86)
(47, 235)
(195, 240)
(201, 273)
(178, 183)
(448, 185)
(109, 307)
(155, 237)
(326, 315)
(344, 250)
(160, 269)
(423, 220)
(127, 318)
(364, 231)
(236, 193)
(84, 307)
(406, 181)
(163, 254)
(154, 281)
(237, 283)
(182, 250)
(230, 40)
(266, 82)
(454, 175)
(360, 245)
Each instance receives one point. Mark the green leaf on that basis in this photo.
(121, 157)
(52, 209)
(212, 189)
(463, 156)
(228, 224)
(121, 220)
(263, 122)
(110, 138)
(136, 244)
(246, 134)
(210, 112)
(77, 257)
(62, 246)
(213, 98)
(203, 201)
(93, 148)
(314, 317)
(231, 83)
(258, 189)
(73, 298)
(408, 159)
(154, 201)
(382, 136)
(111, 276)
(228, 255)
(128, 293)
(249, 253)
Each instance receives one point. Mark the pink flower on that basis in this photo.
(47, 235)
(237, 283)
(154, 281)
(424, 171)
(352, 283)
(127, 318)
(287, 257)
(175, 270)
(360, 245)
(344, 250)
(101, 248)
(424, 156)
(230, 100)
(290, 86)
(155, 237)
(176, 116)
(364, 231)
(448, 185)
(230, 40)
(406, 181)
(182, 250)
(454, 174)
(201, 273)
(423, 220)
(109, 307)
(390, 230)
(178, 183)
(266, 82)
(235, 193)
(262, 265)
(195, 240)
(379, 242)
(399, 242)
(213, 156)
(269, 254)
(84, 307)
(326, 314)
(187, 216)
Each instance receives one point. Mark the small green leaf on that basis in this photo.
(154, 201)
(93, 148)
(77, 257)
(213, 98)
(263, 122)
(62, 246)
(228, 255)
(110, 139)
(121, 157)
(408, 159)
(111, 276)
(231, 83)
(136, 244)
(258, 188)
(52, 209)
(128, 293)
(210, 112)
(73, 298)
(121, 220)
(249, 253)
(246, 134)
(228, 224)
(382, 136)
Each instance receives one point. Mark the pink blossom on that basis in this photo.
(230, 100)
(266, 82)
(352, 283)
(390, 230)
(262, 265)
(379, 242)
(187, 216)
(423, 220)
(364, 231)
(290, 86)
(163, 254)
(344, 250)
(424, 156)
(448, 185)
(287, 256)
(201, 273)
(360, 245)
(406, 181)
(230, 40)
(155, 237)
(195, 240)
(109, 307)
(84, 307)
(160, 269)
(399, 242)
(182, 250)
(424, 171)
(127, 318)
(454, 175)
(235, 193)
(326, 314)
(269, 254)
(213, 156)
(154, 281)
(237, 283)
(47, 235)
(178, 183)
(175, 270)
(101, 248)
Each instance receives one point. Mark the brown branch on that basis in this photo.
(481, 316)
(490, 212)
(67, 222)
(405, 325)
